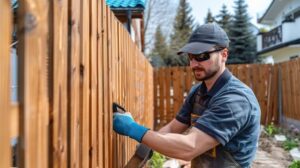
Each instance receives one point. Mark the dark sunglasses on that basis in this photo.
(203, 56)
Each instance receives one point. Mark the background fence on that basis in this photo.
(275, 86)
(289, 75)
(74, 60)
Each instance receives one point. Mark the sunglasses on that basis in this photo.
(203, 56)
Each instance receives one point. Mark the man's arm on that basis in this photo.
(174, 126)
(184, 147)
(174, 145)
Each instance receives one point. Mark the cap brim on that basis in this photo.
(195, 48)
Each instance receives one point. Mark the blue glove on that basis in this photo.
(125, 125)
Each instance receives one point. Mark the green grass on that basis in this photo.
(290, 144)
(295, 164)
(271, 129)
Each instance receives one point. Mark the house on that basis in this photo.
(130, 14)
(282, 42)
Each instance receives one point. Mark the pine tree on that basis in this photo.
(209, 17)
(242, 46)
(224, 19)
(159, 53)
(182, 30)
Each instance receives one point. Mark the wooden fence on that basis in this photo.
(171, 86)
(74, 60)
(290, 83)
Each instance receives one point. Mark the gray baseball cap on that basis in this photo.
(204, 38)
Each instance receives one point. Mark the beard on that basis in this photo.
(208, 73)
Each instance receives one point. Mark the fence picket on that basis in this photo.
(5, 72)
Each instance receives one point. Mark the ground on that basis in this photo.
(271, 155)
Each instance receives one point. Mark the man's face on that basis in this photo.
(204, 70)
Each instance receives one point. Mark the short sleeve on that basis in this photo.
(225, 117)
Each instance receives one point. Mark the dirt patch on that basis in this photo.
(270, 154)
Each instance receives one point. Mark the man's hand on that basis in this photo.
(125, 125)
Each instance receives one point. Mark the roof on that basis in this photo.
(126, 3)
(274, 8)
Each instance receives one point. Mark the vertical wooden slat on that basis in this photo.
(161, 97)
(111, 59)
(73, 84)
(105, 87)
(176, 89)
(33, 90)
(5, 40)
(58, 97)
(167, 94)
(155, 96)
(273, 97)
(297, 92)
(94, 83)
(100, 56)
(86, 86)
(293, 73)
(286, 89)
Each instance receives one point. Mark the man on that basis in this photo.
(222, 115)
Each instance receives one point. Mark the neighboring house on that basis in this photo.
(281, 43)
(130, 13)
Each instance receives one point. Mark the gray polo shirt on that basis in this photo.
(229, 112)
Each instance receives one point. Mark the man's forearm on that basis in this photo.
(184, 147)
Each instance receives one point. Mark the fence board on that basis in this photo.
(93, 83)
(5, 40)
(100, 46)
(58, 87)
(273, 97)
(297, 92)
(73, 85)
(87, 91)
(286, 88)
(34, 107)
(168, 92)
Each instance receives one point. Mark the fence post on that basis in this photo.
(5, 112)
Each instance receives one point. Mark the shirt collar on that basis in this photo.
(220, 82)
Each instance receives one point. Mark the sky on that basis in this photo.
(200, 8)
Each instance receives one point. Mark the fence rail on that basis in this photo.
(74, 60)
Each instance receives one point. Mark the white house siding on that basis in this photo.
(291, 30)
(283, 54)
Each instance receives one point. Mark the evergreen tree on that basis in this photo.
(209, 17)
(182, 30)
(242, 46)
(224, 19)
(159, 53)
